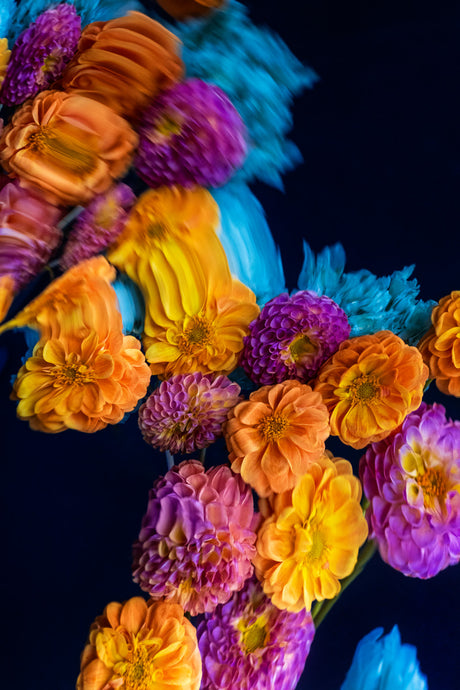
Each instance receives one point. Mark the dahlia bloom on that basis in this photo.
(191, 135)
(124, 63)
(276, 435)
(141, 646)
(369, 386)
(40, 54)
(70, 147)
(187, 412)
(440, 347)
(292, 337)
(184, 9)
(250, 644)
(197, 538)
(5, 55)
(6, 294)
(310, 539)
(412, 481)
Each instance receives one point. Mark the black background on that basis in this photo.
(379, 134)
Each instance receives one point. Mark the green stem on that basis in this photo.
(203, 455)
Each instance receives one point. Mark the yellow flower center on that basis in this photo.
(167, 126)
(63, 150)
(139, 672)
(318, 546)
(273, 427)
(301, 347)
(196, 336)
(364, 389)
(106, 214)
(73, 372)
(254, 636)
(433, 484)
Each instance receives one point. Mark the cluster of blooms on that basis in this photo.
(231, 353)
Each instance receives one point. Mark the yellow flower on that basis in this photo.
(4, 58)
(310, 540)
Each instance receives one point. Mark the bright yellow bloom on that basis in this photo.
(310, 540)
(4, 58)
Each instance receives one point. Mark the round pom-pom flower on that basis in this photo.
(440, 347)
(250, 644)
(187, 412)
(197, 538)
(412, 480)
(274, 436)
(369, 385)
(191, 135)
(40, 54)
(292, 337)
(141, 646)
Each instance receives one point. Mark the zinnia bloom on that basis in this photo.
(440, 347)
(369, 386)
(310, 540)
(70, 147)
(274, 436)
(197, 538)
(250, 644)
(292, 337)
(412, 480)
(141, 646)
(183, 9)
(191, 135)
(124, 63)
(187, 412)
(40, 54)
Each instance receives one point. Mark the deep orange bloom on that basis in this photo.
(70, 147)
(275, 436)
(6, 294)
(369, 386)
(141, 646)
(440, 347)
(181, 9)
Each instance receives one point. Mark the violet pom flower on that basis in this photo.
(186, 412)
(292, 337)
(191, 135)
(250, 644)
(412, 480)
(197, 538)
(40, 54)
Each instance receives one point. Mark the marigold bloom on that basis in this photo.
(412, 480)
(369, 385)
(5, 55)
(141, 646)
(70, 147)
(274, 436)
(182, 9)
(197, 538)
(124, 63)
(310, 540)
(6, 294)
(440, 347)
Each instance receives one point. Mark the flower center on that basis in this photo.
(138, 673)
(73, 373)
(301, 347)
(196, 336)
(433, 484)
(273, 427)
(254, 636)
(167, 126)
(364, 389)
(63, 150)
(317, 546)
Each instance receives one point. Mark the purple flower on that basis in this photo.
(250, 644)
(412, 480)
(186, 412)
(40, 54)
(197, 538)
(192, 135)
(292, 337)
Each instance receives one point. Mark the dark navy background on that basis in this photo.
(380, 138)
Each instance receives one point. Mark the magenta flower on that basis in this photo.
(191, 135)
(250, 644)
(40, 54)
(197, 538)
(186, 412)
(292, 337)
(412, 480)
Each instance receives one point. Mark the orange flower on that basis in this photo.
(275, 436)
(6, 294)
(310, 537)
(69, 146)
(369, 386)
(182, 9)
(124, 63)
(141, 646)
(440, 347)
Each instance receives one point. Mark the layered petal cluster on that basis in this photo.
(276, 435)
(191, 135)
(184, 9)
(197, 538)
(40, 54)
(6, 294)
(292, 337)
(68, 146)
(141, 646)
(196, 314)
(5, 55)
(369, 386)
(124, 63)
(187, 412)
(250, 644)
(412, 481)
(310, 538)
(440, 346)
